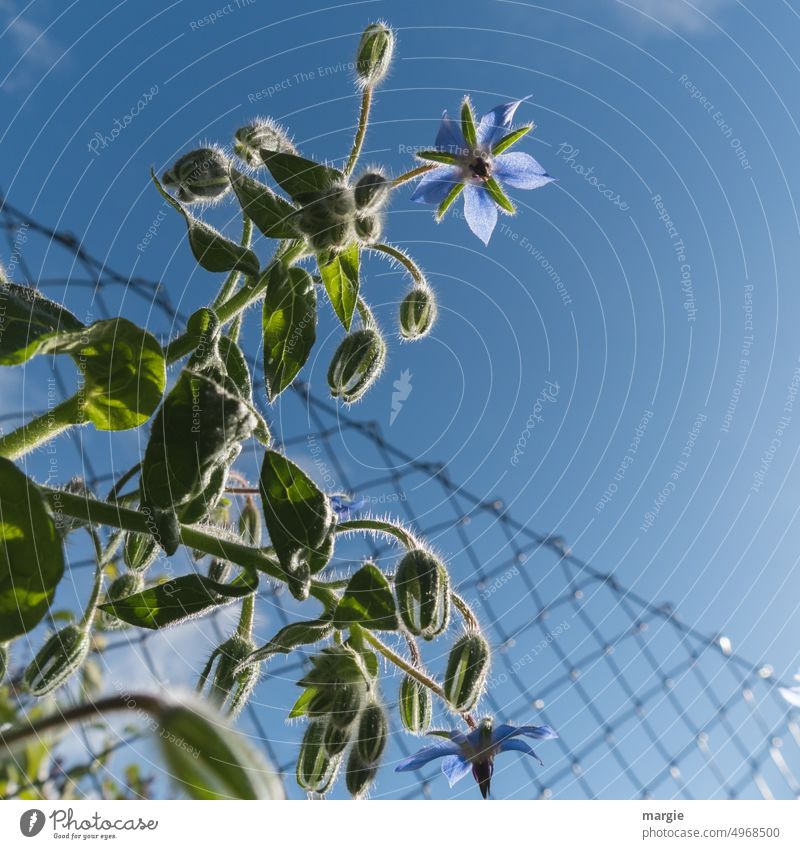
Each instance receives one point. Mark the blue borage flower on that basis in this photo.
(345, 506)
(471, 159)
(477, 750)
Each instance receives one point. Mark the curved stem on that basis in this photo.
(378, 526)
(404, 260)
(42, 429)
(413, 174)
(233, 278)
(143, 701)
(97, 586)
(245, 627)
(365, 313)
(465, 610)
(363, 122)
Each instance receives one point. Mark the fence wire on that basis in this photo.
(647, 705)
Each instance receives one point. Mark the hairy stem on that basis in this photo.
(465, 610)
(404, 260)
(232, 279)
(89, 509)
(377, 526)
(413, 174)
(363, 122)
(41, 429)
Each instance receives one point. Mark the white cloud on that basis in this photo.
(28, 50)
(688, 15)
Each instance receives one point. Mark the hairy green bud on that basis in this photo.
(422, 587)
(200, 175)
(359, 775)
(368, 228)
(417, 313)
(336, 738)
(250, 523)
(219, 570)
(416, 706)
(371, 191)
(316, 768)
(58, 659)
(373, 731)
(467, 666)
(374, 54)
(228, 689)
(339, 680)
(356, 364)
(259, 138)
(139, 551)
(129, 583)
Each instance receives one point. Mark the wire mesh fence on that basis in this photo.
(647, 705)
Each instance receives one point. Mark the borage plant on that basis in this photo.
(179, 494)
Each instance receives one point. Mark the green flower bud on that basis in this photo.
(3, 661)
(261, 135)
(210, 760)
(126, 584)
(228, 690)
(416, 706)
(359, 775)
(219, 570)
(139, 551)
(371, 191)
(250, 523)
(374, 54)
(200, 175)
(356, 364)
(331, 236)
(336, 738)
(339, 680)
(320, 558)
(373, 731)
(316, 769)
(466, 671)
(58, 659)
(417, 313)
(368, 228)
(422, 587)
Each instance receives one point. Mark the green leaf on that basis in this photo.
(340, 275)
(195, 437)
(447, 202)
(207, 759)
(499, 196)
(296, 511)
(437, 156)
(289, 322)
(299, 177)
(300, 707)
(468, 124)
(124, 371)
(290, 637)
(31, 557)
(25, 317)
(235, 364)
(271, 214)
(511, 138)
(179, 599)
(211, 249)
(367, 601)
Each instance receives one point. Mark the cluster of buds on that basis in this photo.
(347, 721)
(342, 214)
(200, 176)
(258, 139)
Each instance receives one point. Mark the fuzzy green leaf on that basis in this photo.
(300, 177)
(340, 274)
(367, 601)
(271, 214)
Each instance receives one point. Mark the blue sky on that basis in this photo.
(667, 248)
